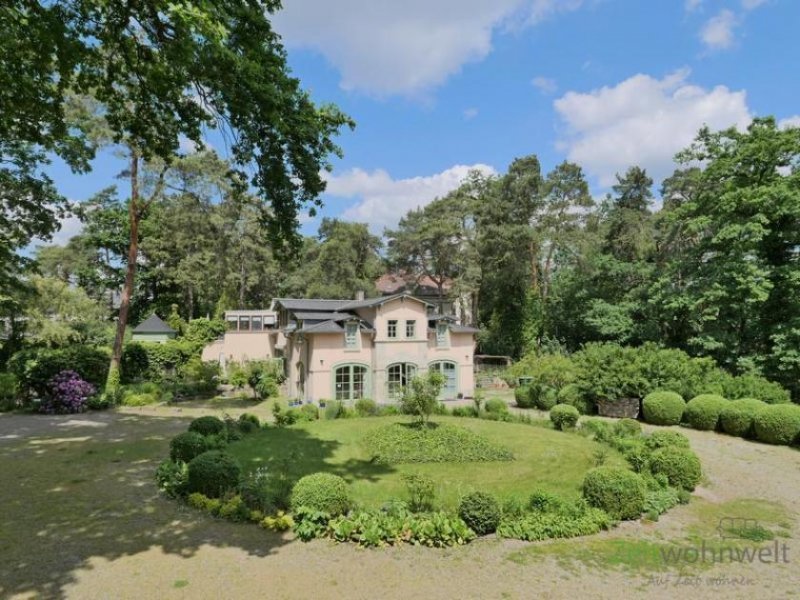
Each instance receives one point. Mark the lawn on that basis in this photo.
(543, 459)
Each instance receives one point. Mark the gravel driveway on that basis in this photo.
(81, 518)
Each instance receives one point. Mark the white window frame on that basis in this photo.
(441, 335)
(391, 329)
(411, 326)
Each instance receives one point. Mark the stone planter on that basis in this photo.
(620, 408)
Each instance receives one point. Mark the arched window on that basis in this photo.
(349, 382)
(398, 376)
(448, 369)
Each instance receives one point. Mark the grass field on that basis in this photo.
(543, 459)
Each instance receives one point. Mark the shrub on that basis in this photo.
(172, 477)
(8, 391)
(778, 424)
(755, 386)
(564, 416)
(421, 493)
(213, 473)
(366, 407)
(249, 423)
(267, 491)
(139, 399)
(266, 387)
(323, 492)
(600, 430)
(619, 492)
(480, 511)
(309, 412)
(67, 393)
(278, 522)
(571, 394)
(627, 428)
(496, 405)
(659, 501)
(680, 465)
(284, 417)
(702, 412)
(204, 503)
(543, 396)
(389, 410)
(542, 501)
(738, 416)
(638, 456)
(663, 408)
(202, 375)
(379, 528)
(237, 377)
(663, 439)
(464, 411)
(567, 522)
(208, 425)
(34, 368)
(523, 397)
(333, 409)
(185, 446)
(421, 396)
(234, 509)
(135, 364)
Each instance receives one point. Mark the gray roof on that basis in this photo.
(311, 305)
(323, 316)
(324, 327)
(153, 324)
(455, 328)
(370, 302)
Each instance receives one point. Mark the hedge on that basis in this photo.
(619, 492)
(737, 418)
(663, 439)
(778, 424)
(208, 425)
(703, 411)
(663, 408)
(33, 368)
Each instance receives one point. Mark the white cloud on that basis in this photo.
(752, 4)
(470, 113)
(544, 84)
(692, 5)
(382, 200)
(386, 47)
(717, 34)
(186, 146)
(789, 122)
(643, 121)
(70, 227)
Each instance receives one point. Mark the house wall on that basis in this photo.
(328, 352)
(158, 338)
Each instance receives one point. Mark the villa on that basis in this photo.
(351, 349)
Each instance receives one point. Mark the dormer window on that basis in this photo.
(441, 334)
(351, 335)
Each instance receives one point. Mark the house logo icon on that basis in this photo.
(736, 527)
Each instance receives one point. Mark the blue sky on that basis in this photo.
(437, 87)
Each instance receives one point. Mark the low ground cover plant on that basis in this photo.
(440, 442)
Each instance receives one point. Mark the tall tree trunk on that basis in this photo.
(133, 252)
(190, 316)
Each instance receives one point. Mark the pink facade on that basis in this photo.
(347, 350)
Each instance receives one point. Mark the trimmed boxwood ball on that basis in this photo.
(680, 465)
(523, 397)
(663, 408)
(702, 412)
(619, 492)
(544, 397)
(322, 491)
(480, 511)
(664, 439)
(778, 424)
(496, 405)
(185, 446)
(737, 418)
(207, 425)
(564, 416)
(213, 473)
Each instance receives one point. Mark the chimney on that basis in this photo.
(359, 295)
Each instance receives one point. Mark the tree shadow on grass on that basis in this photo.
(77, 489)
(294, 451)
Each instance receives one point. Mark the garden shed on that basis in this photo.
(153, 329)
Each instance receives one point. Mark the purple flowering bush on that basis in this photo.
(67, 393)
